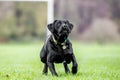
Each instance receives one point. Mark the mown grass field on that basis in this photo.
(96, 62)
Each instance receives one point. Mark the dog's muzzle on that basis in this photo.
(63, 33)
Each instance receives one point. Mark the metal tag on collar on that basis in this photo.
(64, 47)
(63, 44)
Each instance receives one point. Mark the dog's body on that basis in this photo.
(58, 48)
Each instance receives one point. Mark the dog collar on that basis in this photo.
(55, 41)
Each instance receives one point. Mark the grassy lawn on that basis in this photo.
(96, 62)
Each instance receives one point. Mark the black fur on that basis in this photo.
(58, 48)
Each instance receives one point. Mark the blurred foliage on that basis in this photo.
(96, 20)
(27, 20)
(23, 20)
(115, 7)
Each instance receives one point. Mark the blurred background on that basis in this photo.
(22, 21)
(94, 21)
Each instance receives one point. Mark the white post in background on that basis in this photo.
(50, 13)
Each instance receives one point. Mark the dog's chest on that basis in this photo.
(60, 56)
(60, 52)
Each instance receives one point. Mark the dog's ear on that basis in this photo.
(50, 27)
(71, 26)
(55, 21)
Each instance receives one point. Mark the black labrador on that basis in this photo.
(58, 48)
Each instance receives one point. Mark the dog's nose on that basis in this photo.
(64, 27)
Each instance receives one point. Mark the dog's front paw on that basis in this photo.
(74, 70)
(55, 74)
(67, 71)
(44, 73)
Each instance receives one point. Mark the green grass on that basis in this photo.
(96, 62)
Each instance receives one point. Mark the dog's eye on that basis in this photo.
(59, 24)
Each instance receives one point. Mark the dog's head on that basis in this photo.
(60, 29)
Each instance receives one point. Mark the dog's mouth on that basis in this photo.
(63, 36)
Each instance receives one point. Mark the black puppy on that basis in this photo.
(58, 48)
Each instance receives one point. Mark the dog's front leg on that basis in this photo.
(66, 67)
(45, 70)
(74, 65)
(52, 68)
